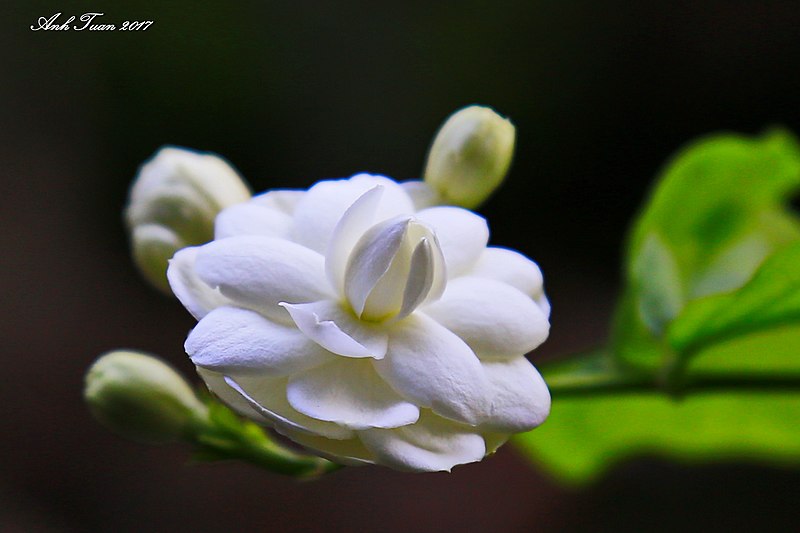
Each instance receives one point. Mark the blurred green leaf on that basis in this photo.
(718, 210)
(586, 434)
(770, 299)
(658, 284)
(706, 338)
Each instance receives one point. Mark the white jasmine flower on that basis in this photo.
(365, 329)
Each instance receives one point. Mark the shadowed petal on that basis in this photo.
(265, 399)
(433, 444)
(351, 452)
(349, 392)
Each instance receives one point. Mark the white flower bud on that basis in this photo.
(140, 397)
(173, 202)
(470, 156)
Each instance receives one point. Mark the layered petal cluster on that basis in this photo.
(366, 328)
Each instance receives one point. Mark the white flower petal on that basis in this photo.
(260, 272)
(251, 219)
(351, 452)
(267, 397)
(520, 401)
(432, 367)
(318, 212)
(510, 267)
(283, 200)
(197, 297)
(240, 341)
(495, 319)
(420, 278)
(433, 444)
(462, 235)
(544, 305)
(349, 392)
(358, 218)
(427, 277)
(336, 330)
(422, 195)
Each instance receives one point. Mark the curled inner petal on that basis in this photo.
(336, 330)
(396, 266)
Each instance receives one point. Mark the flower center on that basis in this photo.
(396, 266)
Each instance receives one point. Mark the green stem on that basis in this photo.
(221, 435)
(605, 381)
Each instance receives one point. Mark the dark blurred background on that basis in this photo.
(601, 94)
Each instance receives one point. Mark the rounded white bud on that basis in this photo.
(140, 397)
(173, 203)
(470, 156)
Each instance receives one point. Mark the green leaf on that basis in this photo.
(711, 310)
(771, 298)
(657, 283)
(717, 212)
(590, 432)
(585, 436)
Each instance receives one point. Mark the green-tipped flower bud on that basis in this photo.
(140, 397)
(173, 202)
(470, 156)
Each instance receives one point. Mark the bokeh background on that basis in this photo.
(293, 92)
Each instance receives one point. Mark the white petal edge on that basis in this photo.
(430, 366)
(510, 267)
(251, 219)
(267, 397)
(422, 195)
(241, 341)
(350, 452)
(349, 392)
(493, 318)
(195, 295)
(431, 445)
(335, 329)
(319, 211)
(283, 200)
(462, 235)
(260, 272)
(520, 397)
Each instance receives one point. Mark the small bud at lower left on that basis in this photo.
(140, 397)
